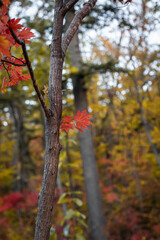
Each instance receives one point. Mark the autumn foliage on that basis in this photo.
(128, 172)
(12, 65)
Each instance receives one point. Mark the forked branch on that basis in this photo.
(82, 13)
(67, 6)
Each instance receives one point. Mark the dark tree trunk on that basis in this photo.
(46, 196)
(53, 114)
(94, 199)
(52, 147)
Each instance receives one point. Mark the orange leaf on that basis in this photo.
(4, 45)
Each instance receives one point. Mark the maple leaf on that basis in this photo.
(67, 123)
(4, 45)
(15, 73)
(82, 120)
(14, 24)
(25, 34)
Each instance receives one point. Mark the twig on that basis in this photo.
(68, 6)
(18, 59)
(28, 63)
(6, 69)
(75, 23)
(15, 64)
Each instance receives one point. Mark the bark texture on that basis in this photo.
(94, 199)
(53, 147)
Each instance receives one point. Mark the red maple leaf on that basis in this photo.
(67, 123)
(15, 73)
(14, 24)
(82, 120)
(25, 34)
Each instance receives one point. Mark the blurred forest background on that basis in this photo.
(116, 60)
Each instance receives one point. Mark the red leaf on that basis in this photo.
(82, 120)
(15, 73)
(25, 34)
(67, 123)
(13, 23)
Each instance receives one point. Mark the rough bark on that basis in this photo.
(53, 147)
(94, 200)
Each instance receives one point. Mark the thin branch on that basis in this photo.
(7, 74)
(15, 64)
(67, 6)
(18, 59)
(28, 63)
(6, 70)
(75, 24)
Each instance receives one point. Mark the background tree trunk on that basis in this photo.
(145, 122)
(94, 199)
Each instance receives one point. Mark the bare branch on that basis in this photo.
(28, 63)
(68, 6)
(15, 64)
(75, 23)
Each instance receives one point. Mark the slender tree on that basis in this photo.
(58, 48)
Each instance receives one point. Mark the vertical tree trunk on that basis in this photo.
(145, 122)
(52, 147)
(53, 114)
(94, 200)
(136, 178)
(22, 146)
(46, 196)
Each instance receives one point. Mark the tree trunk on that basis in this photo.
(53, 114)
(46, 196)
(145, 123)
(22, 147)
(94, 199)
(52, 147)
